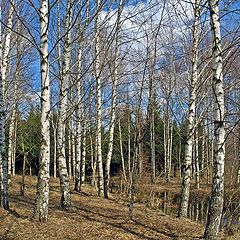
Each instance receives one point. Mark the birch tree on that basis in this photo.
(4, 201)
(5, 53)
(216, 201)
(78, 123)
(42, 195)
(152, 124)
(63, 101)
(98, 103)
(115, 76)
(186, 173)
(12, 138)
(83, 167)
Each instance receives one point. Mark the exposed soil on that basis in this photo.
(90, 217)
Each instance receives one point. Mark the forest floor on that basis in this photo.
(90, 217)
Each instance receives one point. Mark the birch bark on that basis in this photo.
(42, 195)
(5, 56)
(78, 128)
(216, 202)
(152, 126)
(4, 201)
(121, 150)
(83, 167)
(63, 101)
(98, 104)
(114, 104)
(186, 173)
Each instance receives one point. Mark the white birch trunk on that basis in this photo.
(170, 151)
(93, 161)
(197, 176)
(98, 104)
(129, 143)
(70, 150)
(152, 127)
(78, 128)
(114, 104)
(11, 141)
(165, 146)
(13, 125)
(203, 164)
(54, 149)
(111, 133)
(4, 202)
(42, 195)
(14, 147)
(216, 202)
(121, 150)
(185, 192)
(83, 165)
(179, 157)
(73, 156)
(5, 56)
(167, 143)
(63, 101)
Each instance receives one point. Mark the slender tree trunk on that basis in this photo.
(133, 174)
(216, 202)
(83, 165)
(152, 128)
(114, 104)
(4, 201)
(69, 149)
(170, 152)
(78, 127)
(165, 146)
(153, 154)
(129, 143)
(13, 118)
(98, 105)
(14, 147)
(197, 176)
(42, 195)
(121, 150)
(11, 141)
(5, 57)
(185, 192)
(193, 160)
(167, 143)
(54, 151)
(207, 160)
(179, 158)
(203, 164)
(93, 161)
(71, 136)
(22, 189)
(63, 102)
(23, 175)
(73, 156)
(140, 159)
(13, 126)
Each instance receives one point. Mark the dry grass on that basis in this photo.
(90, 217)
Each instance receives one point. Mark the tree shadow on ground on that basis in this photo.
(106, 219)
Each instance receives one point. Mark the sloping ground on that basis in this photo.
(90, 217)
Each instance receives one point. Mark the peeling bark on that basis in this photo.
(186, 173)
(216, 201)
(63, 102)
(42, 195)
